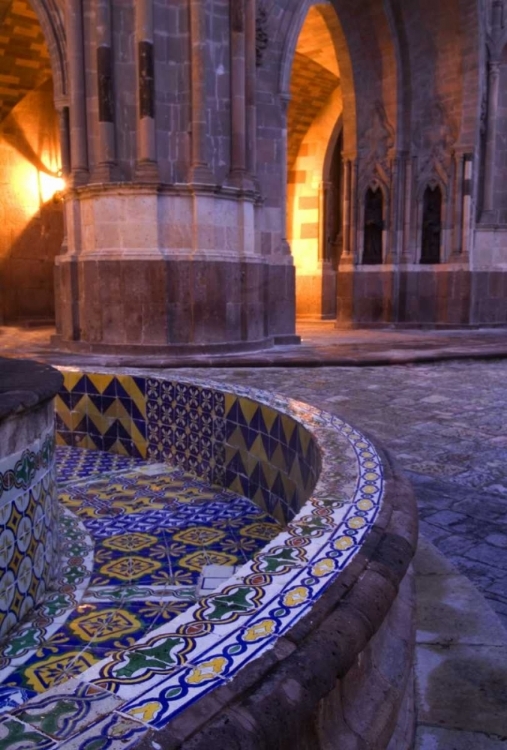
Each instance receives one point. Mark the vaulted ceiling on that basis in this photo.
(24, 57)
(315, 74)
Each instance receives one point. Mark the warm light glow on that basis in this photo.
(49, 186)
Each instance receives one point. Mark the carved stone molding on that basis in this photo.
(434, 139)
(379, 141)
(262, 37)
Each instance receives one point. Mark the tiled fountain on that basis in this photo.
(217, 548)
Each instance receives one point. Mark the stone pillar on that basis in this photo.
(64, 127)
(489, 167)
(238, 174)
(200, 172)
(405, 256)
(466, 231)
(284, 102)
(346, 210)
(78, 130)
(146, 163)
(106, 150)
(251, 86)
(323, 214)
(353, 212)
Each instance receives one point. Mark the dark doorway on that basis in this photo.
(431, 225)
(373, 226)
(333, 219)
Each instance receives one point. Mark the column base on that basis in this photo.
(154, 305)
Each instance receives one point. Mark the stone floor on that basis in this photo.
(461, 661)
(321, 344)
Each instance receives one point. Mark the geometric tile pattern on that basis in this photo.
(320, 475)
(102, 412)
(74, 464)
(168, 670)
(22, 655)
(120, 582)
(226, 439)
(28, 518)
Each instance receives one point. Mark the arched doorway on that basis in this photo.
(31, 209)
(314, 174)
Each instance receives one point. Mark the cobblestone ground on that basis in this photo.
(446, 424)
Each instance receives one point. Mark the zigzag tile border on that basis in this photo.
(319, 474)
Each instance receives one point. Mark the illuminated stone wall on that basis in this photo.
(31, 222)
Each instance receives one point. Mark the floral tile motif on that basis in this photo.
(11, 698)
(64, 711)
(115, 732)
(15, 735)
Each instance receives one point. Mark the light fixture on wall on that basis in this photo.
(60, 185)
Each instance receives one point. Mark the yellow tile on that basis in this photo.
(260, 501)
(289, 425)
(71, 379)
(269, 416)
(296, 476)
(278, 514)
(101, 381)
(278, 459)
(230, 400)
(249, 408)
(270, 474)
(257, 449)
(237, 440)
(305, 439)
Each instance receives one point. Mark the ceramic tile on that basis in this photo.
(68, 709)
(14, 735)
(115, 732)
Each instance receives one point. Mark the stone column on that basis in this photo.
(284, 106)
(489, 168)
(200, 172)
(405, 255)
(346, 254)
(353, 212)
(64, 127)
(78, 130)
(323, 214)
(146, 163)
(238, 174)
(251, 86)
(468, 165)
(106, 147)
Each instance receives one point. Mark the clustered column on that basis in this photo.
(106, 140)
(489, 176)
(78, 131)
(251, 86)
(238, 174)
(146, 165)
(200, 172)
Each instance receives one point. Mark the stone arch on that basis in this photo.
(50, 17)
(346, 72)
